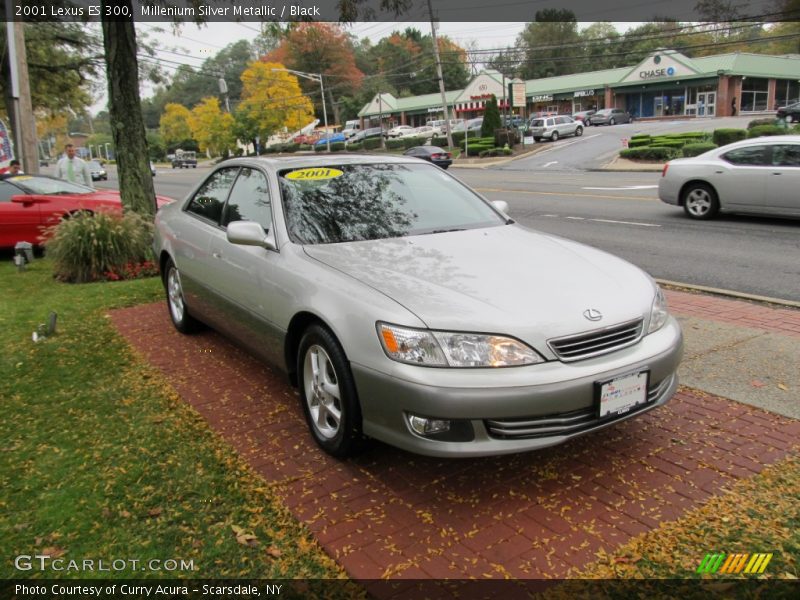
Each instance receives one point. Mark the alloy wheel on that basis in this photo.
(322, 392)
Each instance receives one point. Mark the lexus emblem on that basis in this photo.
(592, 314)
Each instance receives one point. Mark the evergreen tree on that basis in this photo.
(491, 118)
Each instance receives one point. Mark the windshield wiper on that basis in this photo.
(447, 230)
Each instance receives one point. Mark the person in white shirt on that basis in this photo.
(74, 169)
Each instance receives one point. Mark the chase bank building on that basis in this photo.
(666, 84)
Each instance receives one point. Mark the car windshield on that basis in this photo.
(95, 165)
(49, 185)
(357, 202)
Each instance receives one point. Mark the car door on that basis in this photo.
(19, 222)
(783, 180)
(740, 178)
(192, 244)
(242, 276)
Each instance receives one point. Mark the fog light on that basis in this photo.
(424, 426)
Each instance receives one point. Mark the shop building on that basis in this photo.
(666, 84)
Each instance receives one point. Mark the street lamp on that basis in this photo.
(107, 151)
(315, 77)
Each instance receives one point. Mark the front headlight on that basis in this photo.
(451, 349)
(659, 312)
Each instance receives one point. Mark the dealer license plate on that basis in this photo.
(622, 394)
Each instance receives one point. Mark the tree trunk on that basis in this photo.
(127, 123)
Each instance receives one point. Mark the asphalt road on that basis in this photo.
(620, 213)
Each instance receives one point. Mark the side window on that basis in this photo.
(210, 198)
(7, 190)
(787, 155)
(249, 200)
(751, 156)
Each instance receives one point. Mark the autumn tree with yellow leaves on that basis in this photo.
(174, 124)
(271, 101)
(211, 128)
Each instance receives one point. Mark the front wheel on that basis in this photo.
(700, 201)
(328, 393)
(178, 312)
(579, 132)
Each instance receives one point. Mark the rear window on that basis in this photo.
(537, 123)
(351, 203)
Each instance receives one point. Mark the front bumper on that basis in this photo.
(539, 393)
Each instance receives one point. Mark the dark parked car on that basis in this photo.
(790, 113)
(184, 160)
(438, 156)
(610, 116)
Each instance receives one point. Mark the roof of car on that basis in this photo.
(292, 162)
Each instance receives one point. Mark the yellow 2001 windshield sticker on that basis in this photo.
(315, 174)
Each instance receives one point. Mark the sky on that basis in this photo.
(193, 45)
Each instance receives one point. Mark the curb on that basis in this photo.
(494, 163)
(729, 293)
(621, 164)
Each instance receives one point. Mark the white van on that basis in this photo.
(351, 128)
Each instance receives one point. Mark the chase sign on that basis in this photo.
(654, 73)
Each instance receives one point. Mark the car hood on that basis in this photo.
(500, 279)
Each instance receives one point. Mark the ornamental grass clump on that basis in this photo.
(97, 246)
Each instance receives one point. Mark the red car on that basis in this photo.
(29, 203)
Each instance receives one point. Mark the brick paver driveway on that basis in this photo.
(534, 515)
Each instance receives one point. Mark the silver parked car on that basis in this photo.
(409, 309)
(757, 176)
(552, 128)
(611, 116)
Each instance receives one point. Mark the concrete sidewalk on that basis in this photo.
(390, 514)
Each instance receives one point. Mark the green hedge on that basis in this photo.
(395, 144)
(697, 149)
(763, 130)
(371, 143)
(411, 142)
(305, 147)
(474, 149)
(355, 146)
(758, 122)
(335, 147)
(723, 137)
(665, 143)
(649, 153)
(639, 142)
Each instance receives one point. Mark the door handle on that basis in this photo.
(777, 173)
(719, 172)
(216, 254)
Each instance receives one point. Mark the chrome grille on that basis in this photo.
(566, 423)
(597, 342)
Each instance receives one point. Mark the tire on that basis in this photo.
(554, 136)
(328, 393)
(589, 123)
(789, 118)
(536, 139)
(700, 201)
(579, 131)
(611, 121)
(176, 305)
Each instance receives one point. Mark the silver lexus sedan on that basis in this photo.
(409, 309)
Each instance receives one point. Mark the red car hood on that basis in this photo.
(108, 198)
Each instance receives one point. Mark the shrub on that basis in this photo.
(649, 153)
(410, 142)
(508, 151)
(305, 147)
(665, 143)
(758, 122)
(639, 142)
(458, 138)
(475, 149)
(291, 147)
(764, 130)
(697, 149)
(491, 117)
(354, 147)
(723, 137)
(320, 147)
(337, 146)
(103, 245)
(371, 143)
(395, 144)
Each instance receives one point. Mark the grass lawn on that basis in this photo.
(99, 459)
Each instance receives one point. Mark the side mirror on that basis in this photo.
(249, 233)
(501, 205)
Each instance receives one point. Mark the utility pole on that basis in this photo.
(23, 120)
(440, 77)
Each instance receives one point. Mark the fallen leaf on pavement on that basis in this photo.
(757, 384)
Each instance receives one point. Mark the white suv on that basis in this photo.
(555, 127)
